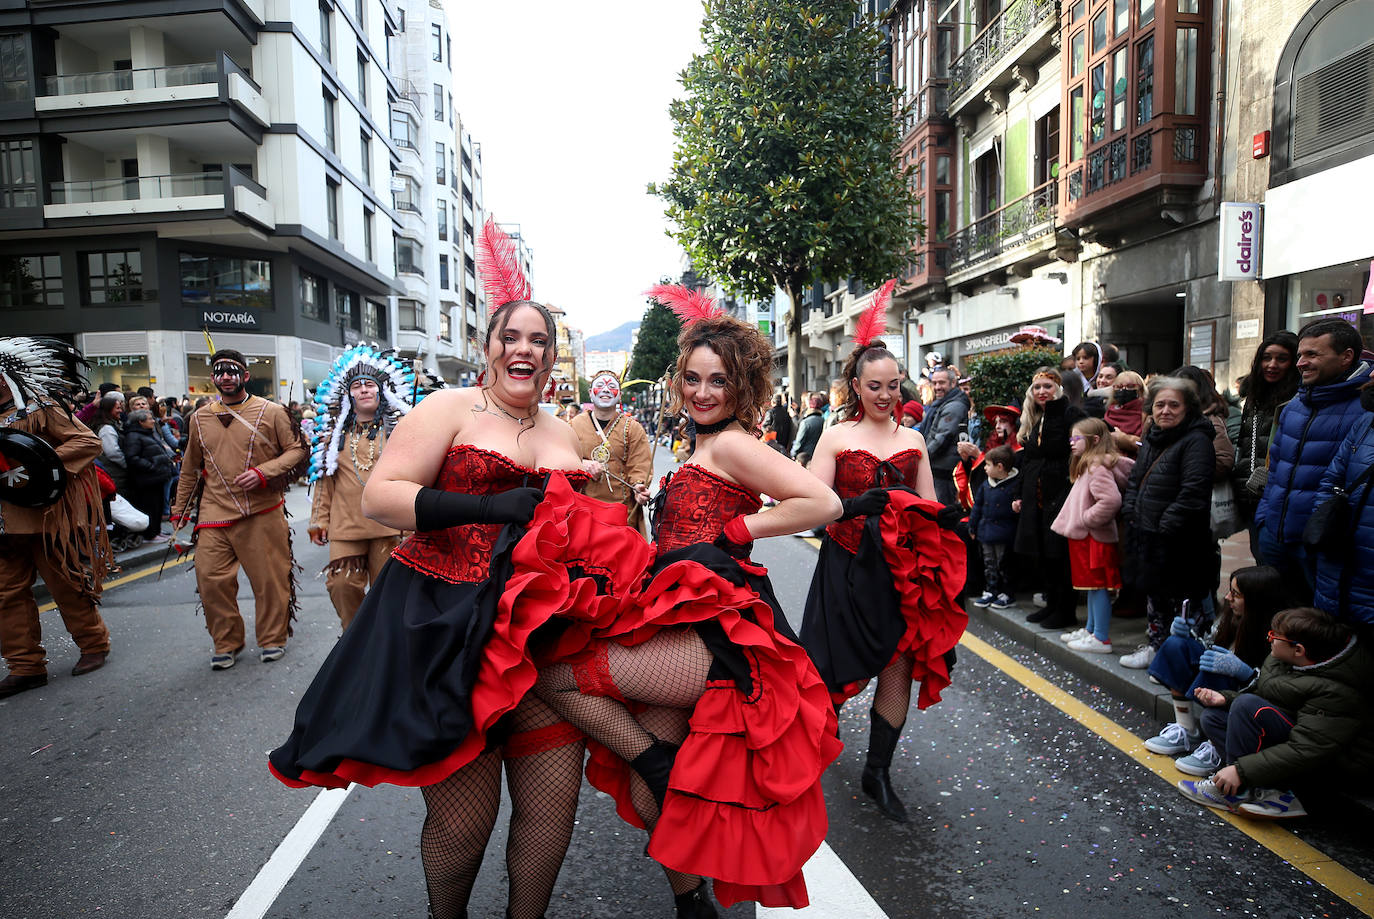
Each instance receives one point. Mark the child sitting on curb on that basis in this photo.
(1306, 711)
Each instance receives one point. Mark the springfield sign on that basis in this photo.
(1239, 252)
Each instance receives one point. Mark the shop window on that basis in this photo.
(1185, 72)
(18, 174)
(262, 375)
(127, 371)
(1076, 54)
(1147, 13)
(226, 281)
(113, 277)
(1331, 293)
(1097, 121)
(30, 281)
(1119, 88)
(1145, 80)
(312, 293)
(1077, 125)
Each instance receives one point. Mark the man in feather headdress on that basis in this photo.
(359, 402)
(619, 443)
(240, 452)
(52, 521)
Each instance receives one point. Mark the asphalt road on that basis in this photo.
(141, 791)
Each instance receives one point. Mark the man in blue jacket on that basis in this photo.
(1310, 429)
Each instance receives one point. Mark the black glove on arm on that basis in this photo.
(868, 504)
(438, 510)
(949, 516)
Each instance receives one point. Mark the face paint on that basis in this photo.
(605, 390)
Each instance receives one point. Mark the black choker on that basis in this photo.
(715, 427)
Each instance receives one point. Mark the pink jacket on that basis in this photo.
(1093, 503)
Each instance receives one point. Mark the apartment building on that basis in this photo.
(187, 169)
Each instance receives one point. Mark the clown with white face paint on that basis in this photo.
(618, 444)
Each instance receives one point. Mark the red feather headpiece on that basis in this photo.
(873, 322)
(499, 264)
(687, 304)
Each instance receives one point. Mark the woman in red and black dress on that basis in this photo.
(882, 600)
(429, 685)
(740, 802)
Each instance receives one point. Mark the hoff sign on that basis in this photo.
(1239, 251)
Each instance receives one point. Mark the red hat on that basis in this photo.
(1008, 411)
(914, 409)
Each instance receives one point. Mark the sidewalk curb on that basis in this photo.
(127, 561)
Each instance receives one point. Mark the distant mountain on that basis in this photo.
(617, 339)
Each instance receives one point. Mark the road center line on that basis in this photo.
(258, 898)
(1311, 861)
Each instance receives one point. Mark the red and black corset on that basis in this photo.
(462, 554)
(856, 471)
(696, 506)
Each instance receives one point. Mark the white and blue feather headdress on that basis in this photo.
(334, 407)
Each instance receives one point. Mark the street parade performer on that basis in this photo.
(619, 445)
(883, 600)
(240, 455)
(704, 656)
(52, 520)
(358, 404)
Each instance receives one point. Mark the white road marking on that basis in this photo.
(267, 886)
(835, 893)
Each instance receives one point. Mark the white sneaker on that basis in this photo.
(1090, 644)
(1273, 803)
(1138, 659)
(1073, 636)
(1039, 600)
(1172, 741)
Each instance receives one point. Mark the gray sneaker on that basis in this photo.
(1207, 794)
(268, 655)
(1172, 741)
(223, 661)
(1201, 762)
(1273, 803)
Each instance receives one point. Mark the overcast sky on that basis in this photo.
(570, 104)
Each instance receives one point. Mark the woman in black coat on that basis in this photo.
(1168, 509)
(150, 464)
(1047, 418)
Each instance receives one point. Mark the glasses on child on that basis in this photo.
(1273, 636)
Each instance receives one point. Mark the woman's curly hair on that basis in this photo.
(748, 360)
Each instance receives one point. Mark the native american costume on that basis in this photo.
(345, 452)
(52, 519)
(621, 445)
(884, 590)
(237, 527)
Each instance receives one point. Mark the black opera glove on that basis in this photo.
(438, 510)
(869, 504)
(949, 516)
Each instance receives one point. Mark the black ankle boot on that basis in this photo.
(882, 740)
(654, 766)
(694, 904)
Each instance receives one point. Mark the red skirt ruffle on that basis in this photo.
(1094, 565)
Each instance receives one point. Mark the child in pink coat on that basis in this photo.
(1088, 522)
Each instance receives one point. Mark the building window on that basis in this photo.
(1076, 12)
(1099, 28)
(346, 308)
(14, 68)
(1147, 13)
(987, 182)
(439, 174)
(362, 79)
(1076, 53)
(365, 157)
(331, 205)
(404, 131)
(442, 211)
(1047, 143)
(29, 281)
(1077, 125)
(443, 272)
(445, 325)
(18, 176)
(941, 214)
(358, 10)
(1119, 84)
(329, 121)
(372, 319)
(409, 256)
(942, 169)
(1185, 71)
(438, 102)
(410, 315)
(436, 42)
(1097, 123)
(448, 43)
(113, 277)
(326, 33)
(1188, 6)
(226, 281)
(367, 235)
(1145, 80)
(1121, 12)
(1328, 102)
(312, 296)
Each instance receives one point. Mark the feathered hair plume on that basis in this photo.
(873, 322)
(499, 264)
(687, 304)
(41, 367)
(395, 380)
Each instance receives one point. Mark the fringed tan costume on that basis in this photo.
(629, 460)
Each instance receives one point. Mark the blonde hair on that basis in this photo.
(1129, 378)
(1101, 451)
(1031, 412)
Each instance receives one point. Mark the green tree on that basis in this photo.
(785, 170)
(656, 348)
(584, 390)
(1002, 377)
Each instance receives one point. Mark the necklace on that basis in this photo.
(359, 465)
(602, 451)
(714, 427)
(500, 408)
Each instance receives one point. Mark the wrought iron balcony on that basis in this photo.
(1012, 225)
(994, 42)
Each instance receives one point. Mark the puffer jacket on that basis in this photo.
(941, 429)
(1168, 505)
(1310, 429)
(992, 520)
(1345, 588)
(1044, 465)
(149, 459)
(1333, 725)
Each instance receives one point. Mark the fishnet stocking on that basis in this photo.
(892, 698)
(543, 791)
(668, 724)
(667, 670)
(460, 812)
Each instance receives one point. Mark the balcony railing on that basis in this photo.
(406, 143)
(1150, 149)
(994, 42)
(109, 81)
(406, 204)
(409, 268)
(187, 185)
(410, 94)
(1007, 227)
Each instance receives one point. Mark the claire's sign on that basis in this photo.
(1238, 255)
